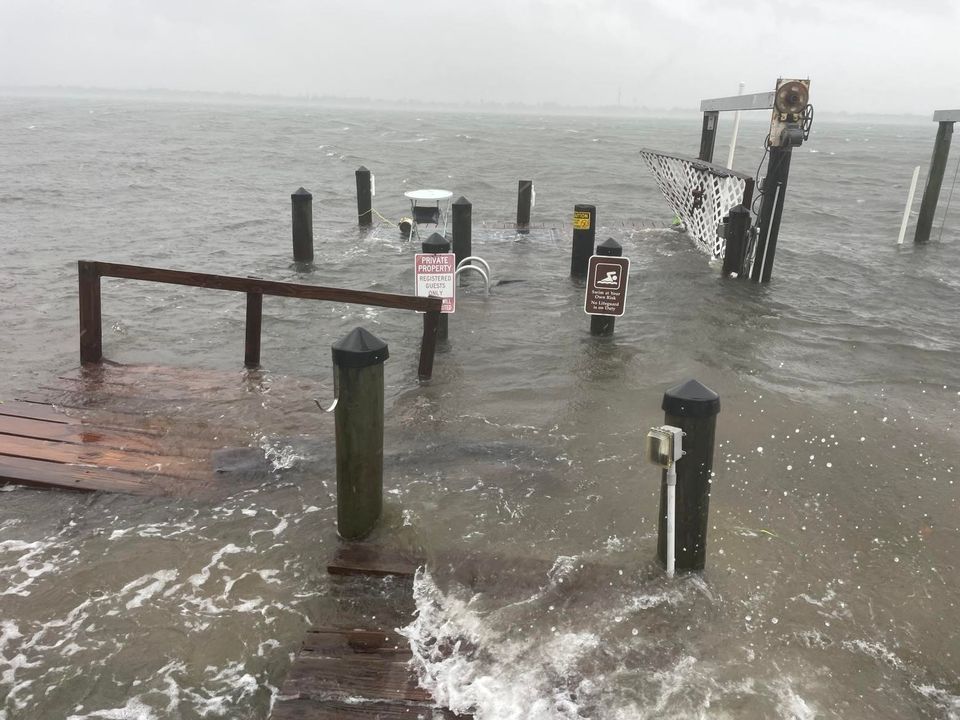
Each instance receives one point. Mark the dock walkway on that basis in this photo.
(351, 673)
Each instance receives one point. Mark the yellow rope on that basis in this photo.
(386, 220)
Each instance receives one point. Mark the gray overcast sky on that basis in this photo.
(882, 56)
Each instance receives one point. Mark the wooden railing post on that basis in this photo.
(251, 354)
(431, 321)
(91, 336)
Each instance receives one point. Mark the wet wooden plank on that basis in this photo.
(77, 434)
(365, 559)
(37, 473)
(58, 452)
(333, 642)
(35, 411)
(311, 709)
(375, 678)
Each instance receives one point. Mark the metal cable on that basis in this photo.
(946, 210)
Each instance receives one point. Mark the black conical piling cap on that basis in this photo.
(462, 201)
(362, 169)
(359, 349)
(300, 194)
(436, 243)
(691, 399)
(610, 247)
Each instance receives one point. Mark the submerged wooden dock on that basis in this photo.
(119, 428)
(343, 672)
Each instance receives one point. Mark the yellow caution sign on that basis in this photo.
(581, 221)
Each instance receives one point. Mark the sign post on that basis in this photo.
(606, 295)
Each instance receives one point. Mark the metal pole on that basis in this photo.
(771, 210)
(462, 228)
(301, 209)
(602, 325)
(671, 519)
(364, 197)
(693, 408)
(358, 376)
(584, 234)
(931, 191)
(524, 198)
(708, 136)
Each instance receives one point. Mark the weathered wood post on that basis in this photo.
(584, 234)
(301, 208)
(364, 197)
(771, 210)
(931, 190)
(524, 203)
(91, 327)
(437, 243)
(737, 240)
(708, 136)
(602, 325)
(251, 353)
(358, 384)
(462, 228)
(693, 408)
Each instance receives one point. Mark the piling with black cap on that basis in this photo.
(737, 236)
(301, 208)
(602, 325)
(693, 408)
(584, 234)
(358, 385)
(437, 243)
(462, 223)
(524, 203)
(364, 197)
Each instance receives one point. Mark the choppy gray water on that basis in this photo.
(832, 574)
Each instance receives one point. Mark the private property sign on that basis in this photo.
(435, 278)
(607, 277)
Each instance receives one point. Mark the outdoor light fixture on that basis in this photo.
(789, 126)
(664, 448)
(664, 445)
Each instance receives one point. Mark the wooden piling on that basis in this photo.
(771, 210)
(708, 136)
(358, 376)
(931, 190)
(693, 408)
(437, 243)
(524, 204)
(251, 353)
(737, 240)
(462, 228)
(364, 197)
(584, 234)
(603, 325)
(91, 329)
(301, 209)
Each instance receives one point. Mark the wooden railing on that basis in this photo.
(91, 332)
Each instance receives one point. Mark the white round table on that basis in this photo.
(431, 194)
(429, 198)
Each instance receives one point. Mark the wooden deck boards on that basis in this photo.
(349, 673)
(128, 429)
